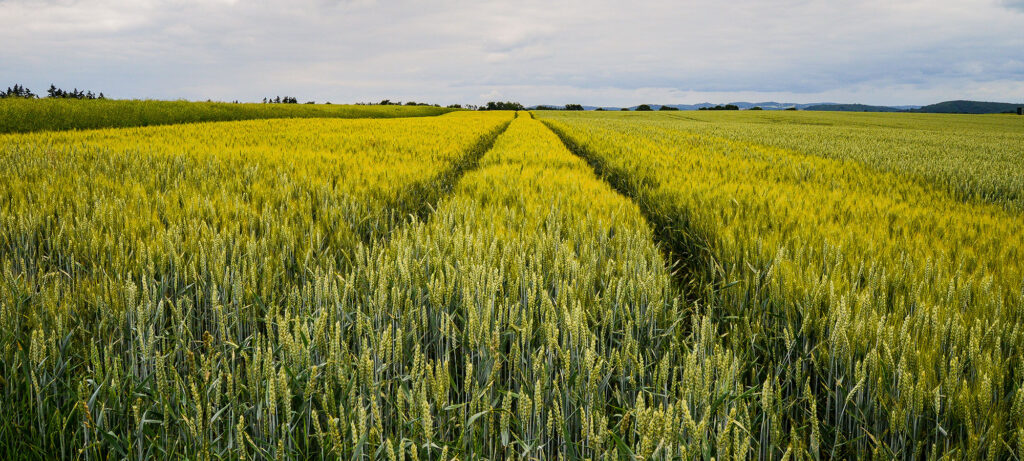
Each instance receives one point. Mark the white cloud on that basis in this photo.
(595, 52)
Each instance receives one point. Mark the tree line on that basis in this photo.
(388, 102)
(21, 91)
(507, 105)
(725, 107)
(281, 100)
(17, 91)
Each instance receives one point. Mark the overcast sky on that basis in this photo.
(597, 52)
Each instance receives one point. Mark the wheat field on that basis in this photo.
(505, 285)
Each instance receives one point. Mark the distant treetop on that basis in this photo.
(55, 92)
(21, 91)
(725, 107)
(17, 91)
(280, 100)
(508, 105)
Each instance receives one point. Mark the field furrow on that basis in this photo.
(486, 285)
(884, 312)
(118, 241)
(532, 316)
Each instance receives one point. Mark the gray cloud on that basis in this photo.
(599, 51)
(1015, 4)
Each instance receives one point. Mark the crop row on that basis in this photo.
(532, 316)
(19, 115)
(114, 242)
(431, 289)
(884, 316)
(975, 158)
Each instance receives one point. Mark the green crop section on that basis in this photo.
(976, 158)
(485, 285)
(519, 321)
(123, 251)
(878, 316)
(26, 115)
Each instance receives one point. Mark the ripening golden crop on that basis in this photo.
(976, 158)
(770, 286)
(124, 251)
(267, 201)
(537, 295)
(898, 302)
(22, 115)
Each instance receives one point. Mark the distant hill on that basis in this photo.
(743, 105)
(970, 107)
(948, 107)
(858, 108)
(562, 107)
(767, 105)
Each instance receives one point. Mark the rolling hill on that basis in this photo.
(947, 107)
(857, 108)
(970, 107)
